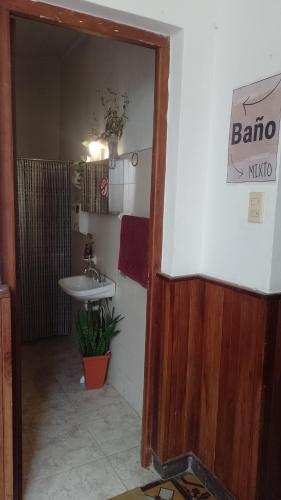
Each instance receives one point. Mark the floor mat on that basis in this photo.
(186, 486)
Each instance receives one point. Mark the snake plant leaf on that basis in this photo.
(96, 328)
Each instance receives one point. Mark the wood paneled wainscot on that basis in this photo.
(6, 418)
(217, 383)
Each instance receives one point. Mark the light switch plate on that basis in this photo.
(255, 213)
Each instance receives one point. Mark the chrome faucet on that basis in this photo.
(93, 272)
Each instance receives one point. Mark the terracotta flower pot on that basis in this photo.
(95, 370)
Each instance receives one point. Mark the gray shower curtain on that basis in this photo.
(43, 246)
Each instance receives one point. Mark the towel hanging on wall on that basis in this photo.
(133, 253)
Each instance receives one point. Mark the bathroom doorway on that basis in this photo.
(156, 195)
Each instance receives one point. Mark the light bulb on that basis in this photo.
(95, 150)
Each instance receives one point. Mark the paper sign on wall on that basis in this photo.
(254, 131)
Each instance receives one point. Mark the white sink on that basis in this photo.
(85, 288)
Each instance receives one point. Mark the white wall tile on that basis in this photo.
(135, 69)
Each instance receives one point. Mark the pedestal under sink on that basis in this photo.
(85, 288)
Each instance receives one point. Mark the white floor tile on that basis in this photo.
(61, 455)
(36, 489)
(69, 431)
(70, 380)
(117, 432)
(128, 467)
(94, 406)
(94, 481)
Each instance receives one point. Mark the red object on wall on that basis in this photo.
(104, 187)
(133, 253)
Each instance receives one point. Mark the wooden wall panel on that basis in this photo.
(2, 491)
(249, 396)
(6, 406)
(211, 374)
(270, 455)
(209, 391)
(162, 61)
(181, 313)
(229, 370)
(7, 396)
(164, 375)
(180, 300)
(187, 440)
(240, 401)
(7, 205)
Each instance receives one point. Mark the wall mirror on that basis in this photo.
(104, 190)
(95, 187)
(101, 187)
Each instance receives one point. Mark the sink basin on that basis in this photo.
(85, 288)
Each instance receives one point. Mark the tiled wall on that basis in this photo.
(92, 66)
(127, 362)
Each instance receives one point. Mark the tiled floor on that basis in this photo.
(77, 444)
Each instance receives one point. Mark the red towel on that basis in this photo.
(133, 253)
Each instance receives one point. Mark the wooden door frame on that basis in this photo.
(101, 27)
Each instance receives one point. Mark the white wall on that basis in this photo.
(128, 348)
(221, 45)
(95, 65)
(192, 26)
(37, 107)
(275, 277)
(234, 249)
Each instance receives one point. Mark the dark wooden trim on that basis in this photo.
(6, 405)
(2, 471)
(226, 284)
(269, 486)
(211, 482)
(7, 397)
(85, 23)
(171, 468)
(270, 347)
(105, 28)
(155, 245)
(190, 463)
(167, 277)
(7, 226)
(7, 202)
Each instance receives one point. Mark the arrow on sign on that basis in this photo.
(246, 103)
(240, 172)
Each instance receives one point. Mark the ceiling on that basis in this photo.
(33, 38)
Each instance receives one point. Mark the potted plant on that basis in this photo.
(96, 326)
